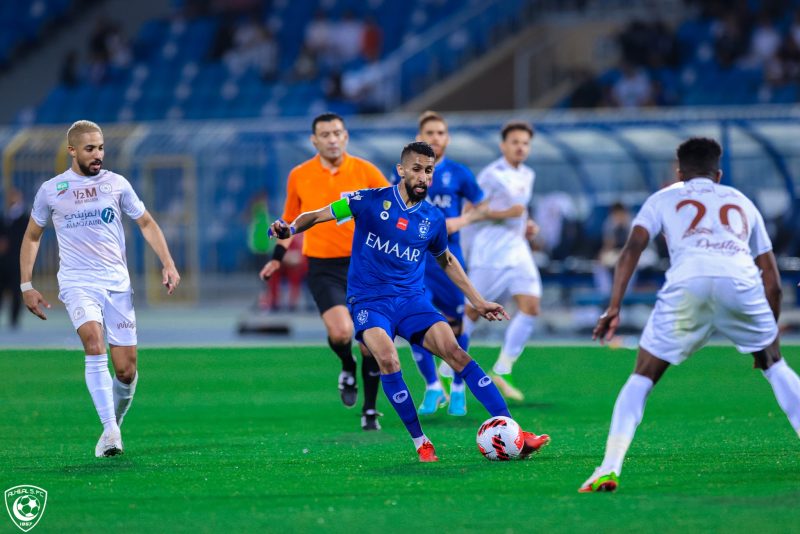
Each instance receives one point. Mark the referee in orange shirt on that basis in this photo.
(315, 183)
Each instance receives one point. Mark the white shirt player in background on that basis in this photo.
(500, 261)
(723, 278)
(86, 204)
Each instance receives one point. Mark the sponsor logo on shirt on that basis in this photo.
(105, 188)
(384, 215)
(441, 201)
(388, 247)
(402, 224)
(85, 195)
(62, 187)
(424, 228)
(127, 324)
(107, 215)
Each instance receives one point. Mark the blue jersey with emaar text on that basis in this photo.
(453, 183)
(390, 244)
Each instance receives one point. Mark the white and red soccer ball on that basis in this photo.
(500, 438)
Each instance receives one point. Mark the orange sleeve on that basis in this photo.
(375, 178)
(291, 209)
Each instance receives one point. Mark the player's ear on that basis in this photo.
(679, 174)
(400, 170)
(719, 175)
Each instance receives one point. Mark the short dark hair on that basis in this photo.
(699, 156)
(418, 147)
(515, 125)
(325, 117)
(428, 116)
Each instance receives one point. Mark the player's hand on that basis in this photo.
(33, 299)
(270, 268)
(170, 278)
(280, 229)
(607, 325)
(492, 311)
(531, 230)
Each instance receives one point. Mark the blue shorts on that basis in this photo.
(444, 294)
(407, 317)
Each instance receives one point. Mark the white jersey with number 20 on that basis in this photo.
(712, 230)
(86, 213)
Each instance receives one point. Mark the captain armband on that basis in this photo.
(341, 211)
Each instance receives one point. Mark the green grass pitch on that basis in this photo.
(256, 440)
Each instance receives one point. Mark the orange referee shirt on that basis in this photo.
(311, 187)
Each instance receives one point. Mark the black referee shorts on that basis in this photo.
(327, 281)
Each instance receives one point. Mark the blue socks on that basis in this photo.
(483, 388)
(425, 364)
(463, 342)
(397, 392)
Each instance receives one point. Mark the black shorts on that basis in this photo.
(327, 281)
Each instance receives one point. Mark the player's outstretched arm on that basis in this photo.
(155, 237)
(628, 259)
(282, 230)
(491, 311)
(27, 257)
(517, 210)
(470, 215)
(772, 281)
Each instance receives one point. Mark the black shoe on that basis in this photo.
(348, 388)
(369, 420)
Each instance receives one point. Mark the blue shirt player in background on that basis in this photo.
(452, 184)
(394, 231)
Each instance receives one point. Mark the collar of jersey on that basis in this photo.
(703, 178)
(396, 190)
(339, 169)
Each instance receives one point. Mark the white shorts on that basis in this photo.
(498, 284)
(112, 309)
(687, 313)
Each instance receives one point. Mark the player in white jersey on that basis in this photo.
(723, 278)
(86, 204)
(500, 260)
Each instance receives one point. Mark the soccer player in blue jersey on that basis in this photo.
(452, 184)
(395, 229)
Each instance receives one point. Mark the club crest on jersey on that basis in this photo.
(105, 188)
(424, 228)
(402, 224)
(362, 317)
(387, 204)
(446, 178)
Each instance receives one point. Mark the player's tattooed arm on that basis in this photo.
(628, 259)
(489, 310)
(772, 281)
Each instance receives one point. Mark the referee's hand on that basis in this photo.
(269, 269)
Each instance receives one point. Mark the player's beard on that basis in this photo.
(87, 169)
(413, 194)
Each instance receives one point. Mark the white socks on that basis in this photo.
(419, 441)
(98, 381)
(786, 385)
(517, 335)
(467, 326)
(123, 396)
(627, 415)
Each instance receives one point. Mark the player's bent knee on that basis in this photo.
(456, 357)
(126, 374)
(387, 363)
(764, 359)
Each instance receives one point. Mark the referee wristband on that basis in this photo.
(279, 252)
(27, 286)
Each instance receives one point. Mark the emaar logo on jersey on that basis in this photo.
(387, 246)
(441, 201)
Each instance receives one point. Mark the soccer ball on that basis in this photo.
(500, 438)
(27, 506)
